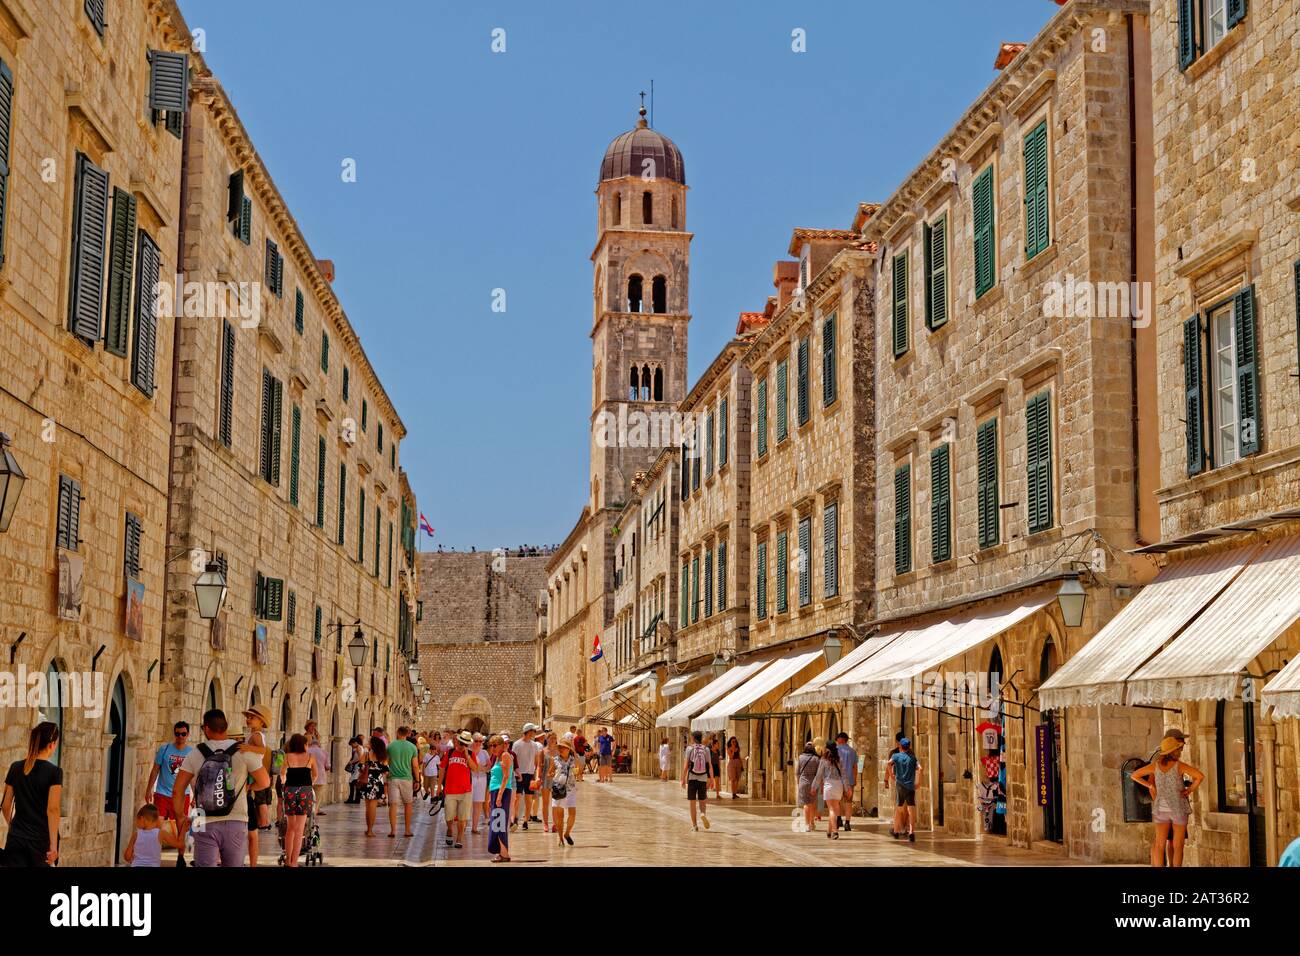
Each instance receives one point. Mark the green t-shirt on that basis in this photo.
(400, 754)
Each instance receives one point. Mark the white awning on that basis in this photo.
(1209, 660)
(675, 685)
(783, 669)
(1098, 672)
(680, 716)
(1283, 692)
(918, 650)
(814, 691)
(639, 678)
(629, 719)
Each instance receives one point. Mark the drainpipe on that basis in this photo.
(1133, 278)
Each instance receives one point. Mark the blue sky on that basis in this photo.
(476, 170)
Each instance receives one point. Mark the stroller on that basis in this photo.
(310, 854)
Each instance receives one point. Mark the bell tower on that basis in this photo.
(640, 308)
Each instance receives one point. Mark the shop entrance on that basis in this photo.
(1239, 759)
(116, 765)
(1049, 750)
(991, 771)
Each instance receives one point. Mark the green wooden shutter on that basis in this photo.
(131, 546)
(235, 198)
(1248, 424)
(277, 428)
(1037, 230)
(379, 521)
(940, 504)
(938, 302)
(695, 588)
(1186, 33)
(144, 350)
(120, 260)
(760, 586)
(903, 519)
(295, 436)
(95, 13)
(388, 582)
(990, 520)
(264, 443)
(361, 525)
(1194, 411)
(268, 267)
(831, 550)
(320, 482)
(900, 304)
(68, 527)
(324, 352)
(169, 77)
(782, 400)
(343, 502)
(782, 573)
(685, 599)
(6, 116)
(829, 384)
(708, 583)
(723, 417)
(1038, 452)
(762, 415)
(984, 232)
(175, 123)
(89, 222)
(1236, 12)
(245, 225)
(804, 564)
(291, 613)
(722, 575)
(801, 381)
(364, 415)
(686, 473)
(298, 309)
(345, 383)
(697, 453)
(274, 598)
(708, 443)
(316, 630)
(226, 415)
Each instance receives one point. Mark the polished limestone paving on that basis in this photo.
(641, 822)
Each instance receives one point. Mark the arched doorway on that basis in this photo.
(471, 712)
(115, 763)
(1047, 747)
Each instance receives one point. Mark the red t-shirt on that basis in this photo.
(580, 744)
(458, 778)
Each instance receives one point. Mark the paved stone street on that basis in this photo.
(640, 822)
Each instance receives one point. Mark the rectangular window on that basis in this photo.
(722, 575)
(121, 259)
(990, 511)
(708, 583)
(388, 574)
(244, 225)
(1038, 441)
(985, 229)
(830, 385)
(226, 414)
(782, 400)
(272, 419)
(317, 629)
(68, 527)
(900, 323)
(686, 472)
(346, 377)
(685, 597)
(291, 613)
(325, 352)
(940, 504)
(169, 78)
(299, 307)
(695, 588)
(803, 561)
(697, 452)
(722, 434)
(268, 600)
(295, 437)
(782, 573)
(343, 503)
(320, 482)
(708, 444)
(131, 546)
(760, 586)
(1037, 230)
(89, 223)
(379, 521)
(274, 270)
(761, 403)
(6, 115)
(801, 381)
(831, 550)
(144, 350)
(361, 526)
(936, 272)
(903, 519)
(364, 414)
(235, 198)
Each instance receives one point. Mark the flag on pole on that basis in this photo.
(425, 526)
(596, 652)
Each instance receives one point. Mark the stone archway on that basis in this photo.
(472, 712)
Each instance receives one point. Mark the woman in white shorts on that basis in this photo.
(564, 775)
(830, 777)
(1170, 803)
(479, 763)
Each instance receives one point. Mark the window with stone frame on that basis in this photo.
(1221, 383)
(1203, 24)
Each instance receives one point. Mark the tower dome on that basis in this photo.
(627, 154)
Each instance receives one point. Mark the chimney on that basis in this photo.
(1006, 53)
(326, 267)
(785, 276)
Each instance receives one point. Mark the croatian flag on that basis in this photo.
(425, 526)
(596, 652)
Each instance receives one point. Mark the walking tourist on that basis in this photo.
(849, 766)
(605, 751)
(500, 789)
(735, 767)
(579, 749)
(715, 758)
(300, 768)
(31, 805)
(805, 793)
(379, 732)
(480, 763)
(525, 754)
(429, 773)
(376, 774)
(455, 780)
(697, 777)
(321, 767)
(221, 770)
(1170, 796)
(830, 781)
(162, 775)
(257, 720)
(664, 756)
(356, 761)
(546, 770)
(564, 790)
(403, 771)
(151, 834)
(902, 768)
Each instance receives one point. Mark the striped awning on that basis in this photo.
(784, 668)
(1282, 695)
(639, 678)
(814, 692)
(675, 685)
(680, 715)
(1097, 674)
(1209, 660)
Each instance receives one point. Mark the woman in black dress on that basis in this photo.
(372, 791)
(33, 789)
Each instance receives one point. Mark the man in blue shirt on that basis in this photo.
(605, 748)
(162, 777)
(849, 765)
(903, 768)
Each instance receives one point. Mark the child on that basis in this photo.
(429, 770)
(145, 847)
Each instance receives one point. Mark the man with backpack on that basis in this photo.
(697, 777)
(220, 771)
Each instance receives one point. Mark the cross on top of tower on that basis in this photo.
(641, 123)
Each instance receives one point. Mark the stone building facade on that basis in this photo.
(91, 182)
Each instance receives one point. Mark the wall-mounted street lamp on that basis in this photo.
(12, 480)
(210, 591)
(1072, 598)
(718, 666)
(357, 648)
(832, 649)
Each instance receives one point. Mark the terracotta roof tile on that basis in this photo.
(751, 322)
(1006, 53)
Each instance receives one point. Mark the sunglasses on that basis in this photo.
(181, 733)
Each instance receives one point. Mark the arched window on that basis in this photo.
(212, 695)
(659, 291)
(645, 383)
(647, 208)
(659, 385)
(674, 208)
(634, 293)
(632, 386)
(286, 719)
(617, 212)
(53, 709)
